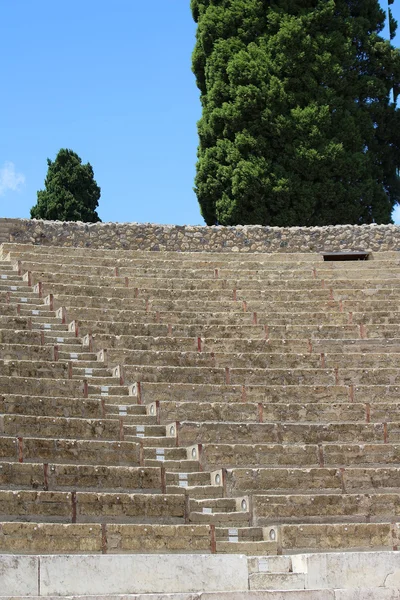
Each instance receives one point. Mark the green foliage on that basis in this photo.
(392, 25)
(297, 125)
(71, 192)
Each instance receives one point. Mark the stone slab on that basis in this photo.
(141, 573)
(277, 581)
(342, 570)
(368, 594)
(272, 595)
(264, 595)
(18, 575)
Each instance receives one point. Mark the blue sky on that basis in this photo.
(114, 85)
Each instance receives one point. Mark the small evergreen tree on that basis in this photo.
(297, 127)
(71, 192)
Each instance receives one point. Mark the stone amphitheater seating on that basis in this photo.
(200, 403)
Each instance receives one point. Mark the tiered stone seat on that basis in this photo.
(203, 403)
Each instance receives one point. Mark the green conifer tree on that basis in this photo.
(71, 192)
(297, 124)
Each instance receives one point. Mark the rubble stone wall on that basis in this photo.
(250, 238)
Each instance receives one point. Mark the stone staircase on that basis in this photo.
(199, 403)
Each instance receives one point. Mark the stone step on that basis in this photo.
(150, 302)
(65, 292)
(174, 317)
(199, 269)
(227, 512)
(77, 538)
(188, 479)
(338, 455)
(66, 338)
(93, 380)
(194, 392)
(317, 508)
(184, 330)
(54, 406)
(131, 420)
(29, 298)
(173, 453)
(277, 581)
(34, 369)
(244, 332)
(145, 278)
(111, 391)
(238, 282)
(91, 507)
(231, 519)
(187, 344)
(235, 360)
(309, 480)
(252, 412)
(60, 476)
(291, 433)
(339, 537)
(152, 430)
(332, 318)
(238, 345)
(35, 386)
(40, 314)
(89, 368)
(131, 410)
(148, 262)
(10, 275)
(217, 504)
(253, 547)
(15, 352)
(66, 345)
(151, 441)
(83, 359)
(146, 255)
(14, 285)
(263, 294)
(55, 327)
(176, 466)
(118, 307)
(253, 360)
(70, 451)
(9, 310)
(273, 564)
(216, 289)
(21, 336)
(54, 427)
(111, 259)
(50, 317)
(176, 277)
(275, 376)
(199, 491)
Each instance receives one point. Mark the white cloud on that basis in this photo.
(10, 179)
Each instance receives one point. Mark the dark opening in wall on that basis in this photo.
(342, 256)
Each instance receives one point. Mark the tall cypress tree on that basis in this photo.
(71, 192)
(297, 127)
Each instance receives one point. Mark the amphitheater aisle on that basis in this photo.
(203, 403)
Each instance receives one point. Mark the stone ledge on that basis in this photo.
(70, 575)
(357, 594)
(327, 576)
